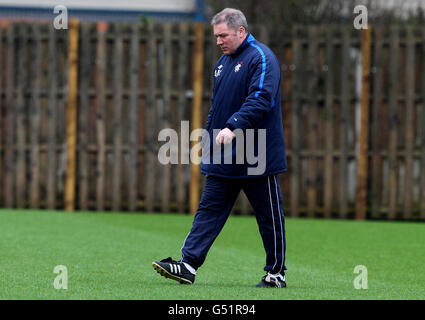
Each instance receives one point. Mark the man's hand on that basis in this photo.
(225, 136)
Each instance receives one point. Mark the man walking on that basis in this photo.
(246, 99)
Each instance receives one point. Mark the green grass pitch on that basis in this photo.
(109, 255)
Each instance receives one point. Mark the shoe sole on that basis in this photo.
(163, 272)
(266, 285)
(270, 287)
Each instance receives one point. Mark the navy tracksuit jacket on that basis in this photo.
(246, 97)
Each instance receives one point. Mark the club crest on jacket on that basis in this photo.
(217, 72)
(238, 66)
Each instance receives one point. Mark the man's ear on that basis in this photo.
(241, 31)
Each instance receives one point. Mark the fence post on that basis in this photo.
(151, 109)
(164, 116)
(83, 117)
(9, 120)
(21, 87)
(71, 115)
(133, 116)
(422, 138)
(51, 119)
(101, 30)
(295, 124)
(346, 71)
(393, 118)
(329, 124)
(35, 111)
(2, 149)
(409, 127)
(313, 121)
(182, 107)
(376, 128)
(197, 109)
(364, 127)
(117, 122)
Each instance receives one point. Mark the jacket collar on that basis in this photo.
(249, 38)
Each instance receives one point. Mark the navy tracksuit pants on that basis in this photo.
(216, 203)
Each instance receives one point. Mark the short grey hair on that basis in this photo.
(233, 18)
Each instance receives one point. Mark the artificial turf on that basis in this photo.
(109, 255)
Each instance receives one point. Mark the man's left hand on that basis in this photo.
(225, 136)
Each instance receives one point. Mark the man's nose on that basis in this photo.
(219, 41)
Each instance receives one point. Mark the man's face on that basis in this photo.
(227, 38)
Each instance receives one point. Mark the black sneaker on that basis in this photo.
(175, 270)
(271, 281)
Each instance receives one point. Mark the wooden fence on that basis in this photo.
(81, 110)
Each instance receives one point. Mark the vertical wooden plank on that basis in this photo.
(313, 134)
(295, 128)
(83, 112)
(71, 115)
(117, 122)
(20, 119)
(165, 116)
(10, 118)
(2, 148)
(197, 110)
(51, 121)
(344, 123)
(329, 112)
(141, 166)
(362, 158)
(422, 134)
(35, 117)
(182, 79)
(151, 158)
(102, 28)
(286, 87)
(393, 121)
(133, 117)
(410, 127)
(61, 117)
(377, 163)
